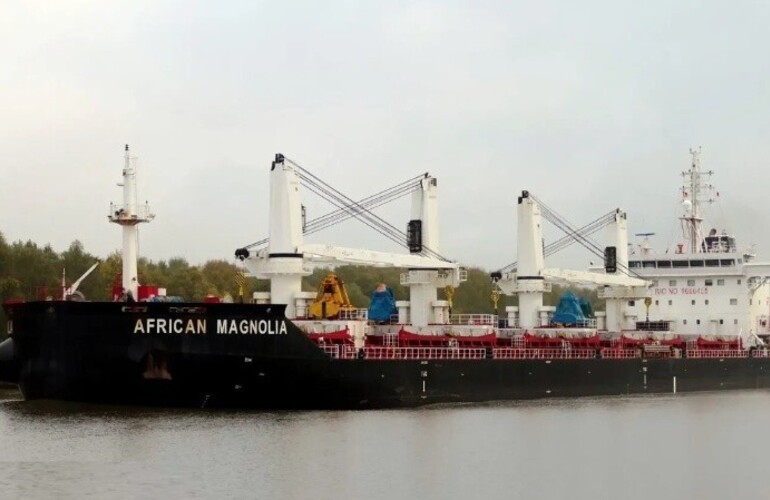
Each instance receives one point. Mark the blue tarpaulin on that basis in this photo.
(382, 305)
(568, 312)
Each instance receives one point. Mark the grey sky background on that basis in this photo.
(590, 105)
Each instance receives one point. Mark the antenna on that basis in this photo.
(644, 246)
(696, 191)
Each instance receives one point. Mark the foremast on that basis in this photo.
(696, 191)
(129, 215)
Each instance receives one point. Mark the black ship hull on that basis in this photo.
(246, 355)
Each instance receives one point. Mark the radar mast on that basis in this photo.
(696, 191)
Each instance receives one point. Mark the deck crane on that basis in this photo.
(287, 258)
(530, 279)
(70, 291)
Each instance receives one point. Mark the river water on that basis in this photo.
(697, 446)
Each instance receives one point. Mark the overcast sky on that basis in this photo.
(590, 105)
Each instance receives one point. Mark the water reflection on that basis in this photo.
(684, 446)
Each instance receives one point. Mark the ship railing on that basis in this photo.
(516, 340)
(390, 340)
(661, 351)
(130, 212)
(760, 353)
(717, 353)
(546, 353)
(333, 351)
(614, 353)
(473, 319)
(422, 353)
(356, 314)
(583, 323)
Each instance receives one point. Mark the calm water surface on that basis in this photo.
(685, 446)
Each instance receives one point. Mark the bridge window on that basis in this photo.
(721, 322)
(739, 282)
(690, 282)
(733, 302)
(709, 282)
(712, 263)
(720, 282)
(696, 263)
(693, 301)
(727, 262)
(664, 263)
(697, 322)
(648, 263)
(684, 321)
(634, 264)
(631, 303)
(681, 263)
(670, 302)
(707, 301)
(671, 282)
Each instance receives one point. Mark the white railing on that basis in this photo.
(421, 353)
(584, 323)
(396, 353)
(390, 340)
(473, 319)
(333, 351)
(717, 353)
(546, 353)
(122, 212)
(361, 314)
(612, 353)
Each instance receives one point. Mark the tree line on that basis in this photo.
(29, 271)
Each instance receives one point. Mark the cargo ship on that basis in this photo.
(694, 319)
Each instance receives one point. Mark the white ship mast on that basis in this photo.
(696, 192)
(129, 215)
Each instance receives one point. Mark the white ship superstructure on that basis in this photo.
(704, 285)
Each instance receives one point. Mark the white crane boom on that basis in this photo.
(74, 287)
(334, 254)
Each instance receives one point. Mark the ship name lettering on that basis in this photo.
(251, 327)
(170, 326)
